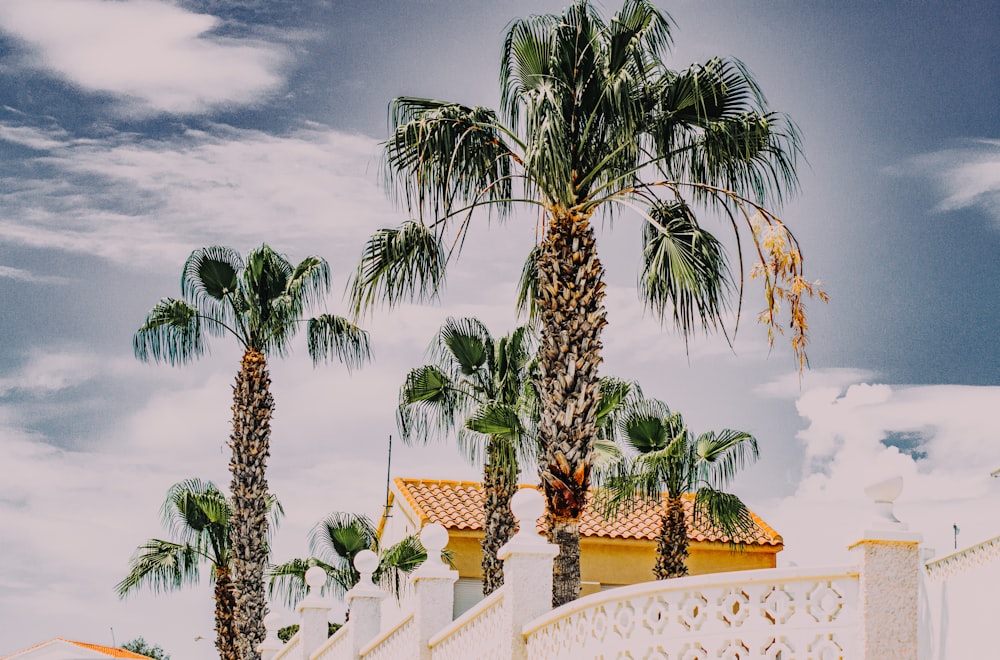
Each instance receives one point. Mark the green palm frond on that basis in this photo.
(684, 269)
(527, 287)
(399, 264)
(172, 333)
(725, 511)
(339, 537)
(497, 419)
(309, 281)
(464, 343)
(442, 153)
(335, 336)
(161, 566)
(287, 581)
(210, 280)
(722, 455)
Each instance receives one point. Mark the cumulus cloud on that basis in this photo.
(155, 56)
(940, 438)
(966, 176)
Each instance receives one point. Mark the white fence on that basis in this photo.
(836, 613)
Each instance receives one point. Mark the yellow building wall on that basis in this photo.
(615, 562)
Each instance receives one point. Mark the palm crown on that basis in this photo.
(662, 456)
(197, 516)
(260, 302)
(481, 388)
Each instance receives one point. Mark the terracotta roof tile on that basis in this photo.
(459, 505)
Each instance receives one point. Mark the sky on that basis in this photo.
(134, 131)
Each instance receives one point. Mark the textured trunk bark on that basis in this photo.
(225, 605)
(499, 486)
(252, 409)
(570, 300)
(672, 543)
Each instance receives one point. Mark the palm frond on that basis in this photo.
(527, 287)
(466, 344)
(172, 333)
(441, 153)
(407, 263)
(210, 280)
(725, 511)
(721, 455)
(335, 336)
(161, 566)
(684, 270)
(309, 281)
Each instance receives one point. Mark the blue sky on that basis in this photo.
(132, 132)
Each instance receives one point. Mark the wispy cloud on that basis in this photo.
(966, 176)
(22, 275)
(126, 199)
(155, 56)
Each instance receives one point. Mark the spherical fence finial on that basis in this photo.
(434, 538)
(315, 578)
(527, 506)
(366, 562)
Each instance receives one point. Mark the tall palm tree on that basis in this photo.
(260, 303)
(592, 119)
(662, 456)
(197, 515)
(481, 388)
(334, 542)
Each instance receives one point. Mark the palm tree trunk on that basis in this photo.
(252, 409)
(225, 604)
(499, 486)
(672, 543)
(570, 299)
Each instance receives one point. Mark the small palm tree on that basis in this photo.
(260, 303)
(481, 388)
(334, 543)
(662, 458)
(197, 515)
(592, 121)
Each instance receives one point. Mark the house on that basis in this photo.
(66, 649)
(612, 552)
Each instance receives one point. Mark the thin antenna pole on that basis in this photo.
(114, 644)
(388, 479)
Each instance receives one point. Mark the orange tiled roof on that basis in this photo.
(459, 505)
(109, 651)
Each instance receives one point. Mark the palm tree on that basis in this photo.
(260, 303)
(661, 457)
(197, 515)
(334, 542)
(481, 388)
(592, 119)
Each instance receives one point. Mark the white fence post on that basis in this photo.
(314, 614)
(888, 588)
(434, 586)
(271, 644)
(364, 604)
(527, 569)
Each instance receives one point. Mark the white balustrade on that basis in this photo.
(769, 613)
(476, 634)
(338, 647)
(400, 641)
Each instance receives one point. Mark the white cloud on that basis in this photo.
(940, 438)
(966, 176)
(46, 372)
(22, 275)
(152, 201)
(155, 55)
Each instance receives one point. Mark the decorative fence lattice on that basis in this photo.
(479, 634)
(785, 614)
(397, 643)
